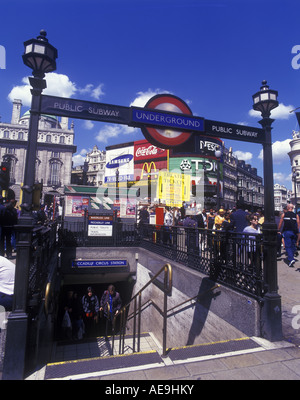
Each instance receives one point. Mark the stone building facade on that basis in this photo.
(55, 148)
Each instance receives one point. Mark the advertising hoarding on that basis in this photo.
(122, 160)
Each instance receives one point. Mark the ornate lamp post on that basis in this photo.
(264, 101)
(218, 154)
(40, 56)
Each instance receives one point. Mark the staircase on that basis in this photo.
(90, 359)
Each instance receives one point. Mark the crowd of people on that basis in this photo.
(236, 220)
(84, 316)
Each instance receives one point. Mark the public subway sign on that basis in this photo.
(234, 132)
(166, 121)
(72, 108)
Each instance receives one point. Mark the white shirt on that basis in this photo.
(7, 276)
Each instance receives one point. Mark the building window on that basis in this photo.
(62, 140)
(54, 173)
(6, 134)
(21, 135)
(48, 138)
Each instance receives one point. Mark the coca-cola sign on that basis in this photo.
(143, 150)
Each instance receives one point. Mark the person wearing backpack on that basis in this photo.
(290, 224)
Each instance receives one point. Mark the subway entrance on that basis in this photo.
(83, 316)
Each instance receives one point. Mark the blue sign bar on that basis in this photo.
(74, 108)
(234, 132)
(142, 116)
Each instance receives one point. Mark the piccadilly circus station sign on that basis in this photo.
(166, 121)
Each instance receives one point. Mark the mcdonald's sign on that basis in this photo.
(142, 170)
(147, 167)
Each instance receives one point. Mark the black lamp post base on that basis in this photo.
(15, 346)
(271, 319)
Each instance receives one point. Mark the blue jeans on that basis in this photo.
(290, 244)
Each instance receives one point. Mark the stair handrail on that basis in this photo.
(167, 288)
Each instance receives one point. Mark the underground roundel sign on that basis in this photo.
(167, 137)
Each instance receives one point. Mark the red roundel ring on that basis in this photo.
(166, 138)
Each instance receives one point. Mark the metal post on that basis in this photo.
(16, 342)
(271, 311)
(295, 189)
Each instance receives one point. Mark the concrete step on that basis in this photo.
(74, 363)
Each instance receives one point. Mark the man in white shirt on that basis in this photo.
(7, 283)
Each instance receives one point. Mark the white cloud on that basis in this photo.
(88, 125)
(143, 97)
(281, 178)
(280, 151)
(57, 85)
(113, 131)
(281, 112)
(21, 92)
(78, 159)
(94, 92)
(243, 155)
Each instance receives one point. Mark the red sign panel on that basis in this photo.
(143, 150)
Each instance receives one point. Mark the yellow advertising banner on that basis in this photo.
(173, 188)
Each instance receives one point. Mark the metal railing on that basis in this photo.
(138, 309)
(230, 258)
(136, 314)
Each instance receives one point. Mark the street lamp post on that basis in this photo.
(40, 56)
(271, 323)
(218, 154)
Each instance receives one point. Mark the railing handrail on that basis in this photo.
(167, 269)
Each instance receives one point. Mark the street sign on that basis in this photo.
(234, 132)
(73, 108)
(166, 121)
(166, 111)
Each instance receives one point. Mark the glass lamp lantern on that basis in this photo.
(265, 100)
(40, 55)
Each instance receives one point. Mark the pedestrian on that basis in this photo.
(219, 218)
(90, 306)
(291, 224)
(190, 226)
(7, 283)
(41, 215)
(211, 219)
(110, 305)
(144, 221)
(110, 302)
(250, 237)
(225, 227)
(168, 223)
(239, 218)
(8, 218)
(279, 235)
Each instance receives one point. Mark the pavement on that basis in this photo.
(262, 361)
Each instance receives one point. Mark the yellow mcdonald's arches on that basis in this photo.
(148, 167)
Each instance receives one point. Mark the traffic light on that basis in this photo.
(4, 176)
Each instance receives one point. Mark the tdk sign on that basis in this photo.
(119, 161)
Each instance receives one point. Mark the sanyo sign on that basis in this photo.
(2, 57)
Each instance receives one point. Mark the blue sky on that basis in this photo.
(211, 53)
